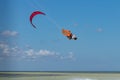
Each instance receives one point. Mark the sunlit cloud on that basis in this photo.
(4, 48)
(30, 52)
(46, 53)
(24, 53)
(7, 50)
(9, 33)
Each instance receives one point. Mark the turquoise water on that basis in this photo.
(58, 76)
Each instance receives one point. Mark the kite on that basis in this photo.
(66, 33)
(33, 15)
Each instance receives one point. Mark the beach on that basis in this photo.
(58, 76)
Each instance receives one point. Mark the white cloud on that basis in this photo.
(70, 56)
(14, 51)
(45, 53)
(9, 33)
(3, 45)
(4, 48)
(7, 50)
(99, 30)
(30, 52)
(41, 52)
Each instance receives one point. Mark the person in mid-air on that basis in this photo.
(68, 34)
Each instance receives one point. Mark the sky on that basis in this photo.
(94, 22)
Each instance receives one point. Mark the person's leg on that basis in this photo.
(69, 37)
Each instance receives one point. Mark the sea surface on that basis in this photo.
(59, 76)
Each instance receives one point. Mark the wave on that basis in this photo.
(82, 79)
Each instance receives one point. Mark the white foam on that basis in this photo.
(81, 79)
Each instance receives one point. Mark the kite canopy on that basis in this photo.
(33, 15)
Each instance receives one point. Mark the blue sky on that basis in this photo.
(95, 23)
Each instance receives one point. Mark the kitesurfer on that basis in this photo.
(68, 34)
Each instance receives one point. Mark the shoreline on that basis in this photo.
(68, 71)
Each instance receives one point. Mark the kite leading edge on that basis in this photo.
(33, 15)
